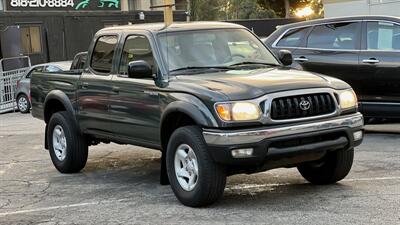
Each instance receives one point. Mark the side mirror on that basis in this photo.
(139, 69)
(285, 56)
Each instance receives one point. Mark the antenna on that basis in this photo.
(168, 15)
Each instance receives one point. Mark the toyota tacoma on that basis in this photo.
(210, 96)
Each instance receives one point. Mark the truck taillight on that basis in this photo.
(17, 83)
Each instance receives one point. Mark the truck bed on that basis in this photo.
(43, 83)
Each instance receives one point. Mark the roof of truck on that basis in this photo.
(179, 26)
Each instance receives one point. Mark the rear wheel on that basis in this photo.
(195, 178)
(332, 168)
(23, 104)
(68, 148)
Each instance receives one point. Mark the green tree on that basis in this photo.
(245, 9)
(205, 9)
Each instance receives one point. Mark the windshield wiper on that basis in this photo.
(252, 63)
(201, 68)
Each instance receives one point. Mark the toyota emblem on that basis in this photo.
(305, 105)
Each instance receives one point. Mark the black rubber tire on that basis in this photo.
(28, 107)
(211, 179)
(332, 168)
(77, 148)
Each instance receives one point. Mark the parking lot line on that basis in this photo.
(60, 207)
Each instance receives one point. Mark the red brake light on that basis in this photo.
(17, 83)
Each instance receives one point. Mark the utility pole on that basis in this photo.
(188, 13)
(168, 14)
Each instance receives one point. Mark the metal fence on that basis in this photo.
(8, 84)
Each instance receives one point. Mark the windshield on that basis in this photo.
(221, 48)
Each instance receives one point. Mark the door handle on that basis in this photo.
(301, 59)
(115, 89)
(84, 85)
(371, 61)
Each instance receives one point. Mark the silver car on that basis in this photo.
(22, 93)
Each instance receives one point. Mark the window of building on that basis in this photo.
(377, 2)
(103, 54)
(383, 36)
(137, 47)
(335, 36)
(30, 40)
(293, 38)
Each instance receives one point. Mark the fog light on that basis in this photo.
(242, 153)
(357, 135)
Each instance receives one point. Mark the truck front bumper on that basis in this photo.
(258, 145)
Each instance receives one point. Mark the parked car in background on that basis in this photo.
(364, 51)
(22, 93)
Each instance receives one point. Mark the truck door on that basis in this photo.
(94, 87)
(134, 105)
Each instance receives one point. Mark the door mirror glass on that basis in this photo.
(285, 56)
(139, 69)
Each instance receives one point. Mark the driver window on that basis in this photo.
(137, 47)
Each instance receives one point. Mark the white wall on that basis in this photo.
(360, 7)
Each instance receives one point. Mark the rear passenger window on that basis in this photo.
(383, 36)
(335, 36)
(293, 38)
(103, 54)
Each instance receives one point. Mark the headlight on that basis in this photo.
(347, 99)
(238, 111)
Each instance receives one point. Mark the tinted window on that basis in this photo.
(383, 36)
(334, 36)
(136, 48)
(52, 69)
(36, 69)
(103, 53)
(293, 38)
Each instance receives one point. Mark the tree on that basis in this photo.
(245, 9)
(228, 9)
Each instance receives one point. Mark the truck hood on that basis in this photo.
(249, 84)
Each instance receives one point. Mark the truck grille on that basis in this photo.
(300, 106)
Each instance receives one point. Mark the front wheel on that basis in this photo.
(23, 103)
(332, 168)
(68, 148)
(195, 178)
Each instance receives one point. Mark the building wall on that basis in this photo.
(337, 8)
(65, 34)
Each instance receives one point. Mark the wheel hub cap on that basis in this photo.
(59, 143)
(186, 167)
(22, 104)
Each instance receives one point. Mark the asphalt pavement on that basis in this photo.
(120, 185)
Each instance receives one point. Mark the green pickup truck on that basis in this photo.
(210, 96)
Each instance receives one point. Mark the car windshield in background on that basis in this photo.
(213, 49)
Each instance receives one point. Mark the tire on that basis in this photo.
(23, 104)
(74, 144)
(332, 168)
(211, 179)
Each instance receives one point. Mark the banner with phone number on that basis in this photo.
(62, 5)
